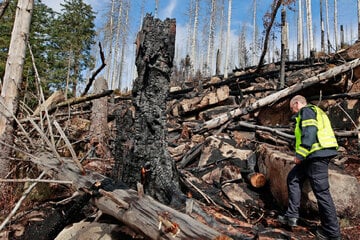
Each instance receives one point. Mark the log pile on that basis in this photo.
(231, 141)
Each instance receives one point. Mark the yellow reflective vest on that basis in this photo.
(325, 134)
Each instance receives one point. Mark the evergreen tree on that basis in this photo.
(40, 41)
(6, 25)
(41, 47)
(73, 37)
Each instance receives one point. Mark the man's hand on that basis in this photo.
(296, 160)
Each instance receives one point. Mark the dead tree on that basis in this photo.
(148, 160)
(13, 79)
(99, 130)
(275, 7)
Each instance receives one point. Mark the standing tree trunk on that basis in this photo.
(109, 31)
(335, 25)
(274, 8)
(300, 34)
(13, 80)
(194, 37)
(115, 68)
(149, 160)
(228, 41)
(309, 26)
(99, 130)
(221, 36)
(358, 14)
(322, 27)
(210, 50)
(124, 36)
(253, 57)
(327, 26)
(283, 48)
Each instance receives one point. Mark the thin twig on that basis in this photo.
(347, 114)
(19, 124)
(92, 78)
(18, 149)
(18, 204)
(35, 180)
(52, 147)
(69, 146)
(41, 95)
(206, 197)
(240, 211)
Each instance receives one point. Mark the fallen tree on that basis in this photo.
(213, 123)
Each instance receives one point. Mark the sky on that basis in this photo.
(242, 15)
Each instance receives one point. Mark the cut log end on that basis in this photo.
(257, 180)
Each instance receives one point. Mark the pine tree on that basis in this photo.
(41, 44)
(74, 42)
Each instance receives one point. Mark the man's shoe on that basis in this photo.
(290, 221)
(321, 235)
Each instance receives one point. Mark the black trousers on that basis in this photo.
(316, 170)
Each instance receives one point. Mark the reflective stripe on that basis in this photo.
(325, 133)
(309, 122)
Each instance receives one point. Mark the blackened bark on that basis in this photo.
(155, 53)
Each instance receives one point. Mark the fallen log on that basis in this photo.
(73, 101)
(213, 123)
(154, 219)
(143, 214)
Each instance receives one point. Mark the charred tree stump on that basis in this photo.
(149, 161)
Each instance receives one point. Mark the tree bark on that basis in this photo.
(309, 26)
(228, 41)
(99, 131)
(300, 34)
(149, 155)
(13, 79)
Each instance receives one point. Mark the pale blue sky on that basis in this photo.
(241, 11)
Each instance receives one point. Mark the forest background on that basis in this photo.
(65, 36)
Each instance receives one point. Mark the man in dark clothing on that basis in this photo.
(315, 146)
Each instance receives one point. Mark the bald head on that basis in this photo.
(297, 102)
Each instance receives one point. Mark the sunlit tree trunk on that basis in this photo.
(335, 25)
(358, 15)
(156, 8)
(309, 26)
(210, 50)
(194, 36)
(123, 47)
(189, 27)
(283, 48)
(226, 70)
(117, 47)
(12, 80)
(110, 39)
(254, 36)
(327, 25)
(322, 27)
(221, 35)
(242, 51)
(342, 36)
(300, 33)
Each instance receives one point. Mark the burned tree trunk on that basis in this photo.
(149, 161)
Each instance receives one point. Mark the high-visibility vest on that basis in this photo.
(325, 134)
